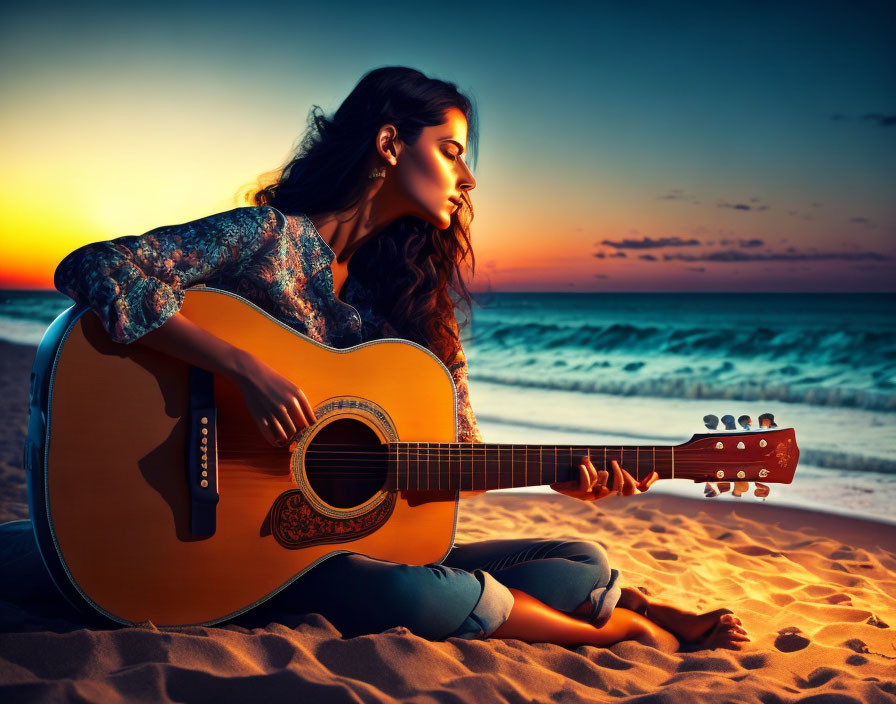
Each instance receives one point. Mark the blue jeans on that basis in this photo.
(464, 596)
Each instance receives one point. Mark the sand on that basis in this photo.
(816, 592)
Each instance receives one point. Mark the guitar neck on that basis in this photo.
(486, 466)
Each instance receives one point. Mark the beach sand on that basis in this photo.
(817, 594)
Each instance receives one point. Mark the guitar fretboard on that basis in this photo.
(487, 466)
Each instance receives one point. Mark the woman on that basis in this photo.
(361, 237)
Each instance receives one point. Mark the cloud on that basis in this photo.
(651, 243)
(867, 222)
(618, 254)
(745, 244)
(878, 118)
(648, 257)
(733, 255)
(699, 269)
(881, 120)
(743, 206)
(678, 194)
(601, 276)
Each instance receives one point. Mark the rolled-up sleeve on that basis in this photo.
(490, 612)
(136, 283)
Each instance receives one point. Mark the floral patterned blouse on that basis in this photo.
(280, 263)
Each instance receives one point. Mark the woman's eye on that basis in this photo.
(450, 156)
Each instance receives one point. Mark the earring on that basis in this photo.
(378, 172)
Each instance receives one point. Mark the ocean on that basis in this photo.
(644, 368)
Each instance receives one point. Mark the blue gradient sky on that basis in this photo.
(717, 146)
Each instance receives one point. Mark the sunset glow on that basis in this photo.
(750, 170)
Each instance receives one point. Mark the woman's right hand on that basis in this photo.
(275, 403)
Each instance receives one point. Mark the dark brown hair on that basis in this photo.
(412, 268)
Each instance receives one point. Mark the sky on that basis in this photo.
(649, 146)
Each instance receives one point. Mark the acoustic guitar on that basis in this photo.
(154, 496)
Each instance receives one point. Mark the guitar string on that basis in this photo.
(332, 471)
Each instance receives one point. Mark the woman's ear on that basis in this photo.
(388, 145)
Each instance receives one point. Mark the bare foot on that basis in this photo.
(690, 627)
(725, 634)
(687, 626)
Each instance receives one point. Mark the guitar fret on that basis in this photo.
(472, 468)
(483, 467)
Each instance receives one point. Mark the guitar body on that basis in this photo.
(109, 484)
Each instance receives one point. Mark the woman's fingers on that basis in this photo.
(593, 484)
(584, 479)
(648, 481)
(286, 422)
(630, 484)
(306, 408)
(617, 476)
(299, 413)
(276, 435)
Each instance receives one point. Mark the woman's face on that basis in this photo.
(432, 172)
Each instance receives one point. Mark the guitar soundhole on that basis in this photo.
(346, 463)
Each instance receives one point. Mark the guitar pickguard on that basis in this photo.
(295, 523)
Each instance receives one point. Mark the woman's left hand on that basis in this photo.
(592, 485)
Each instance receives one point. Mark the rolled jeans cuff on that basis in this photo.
(604, 599)
(490, 612)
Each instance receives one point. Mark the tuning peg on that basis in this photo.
(745, 422)
(729, 422)
(711, 421)
(761, 490)
(740, 488)
(709, 491)
(767, 420)
(723, 487)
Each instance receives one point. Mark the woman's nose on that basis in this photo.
(467, 182)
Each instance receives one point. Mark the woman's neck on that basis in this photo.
(346, 230)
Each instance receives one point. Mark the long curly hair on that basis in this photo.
(413, 269)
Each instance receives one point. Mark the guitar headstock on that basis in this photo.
(730, 459)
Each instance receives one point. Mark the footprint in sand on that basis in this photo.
(875, 621)
(789, 640)
(818, 677)
(663, 554)
(755, 551)
(839, 599)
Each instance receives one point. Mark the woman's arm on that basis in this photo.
(134, 284)
(277, 405)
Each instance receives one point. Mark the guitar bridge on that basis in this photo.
(202, 453)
